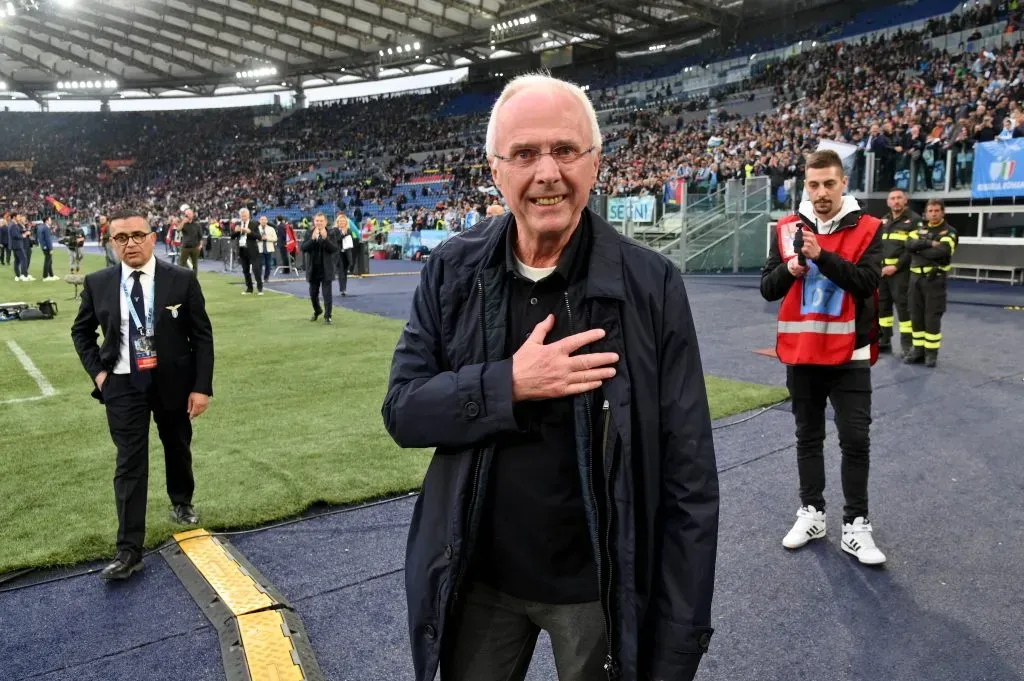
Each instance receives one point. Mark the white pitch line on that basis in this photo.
(45, 388)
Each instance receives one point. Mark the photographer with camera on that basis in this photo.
(319, 251)
(74, 239)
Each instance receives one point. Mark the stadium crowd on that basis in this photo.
(897, 97)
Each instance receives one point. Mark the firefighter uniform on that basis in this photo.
(893, 290)
(929, 267)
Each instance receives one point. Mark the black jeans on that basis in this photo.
(849, 391)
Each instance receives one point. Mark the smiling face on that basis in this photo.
(546, 195)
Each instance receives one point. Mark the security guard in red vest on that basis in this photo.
(931, 248)
(824, 264)
(897, 224)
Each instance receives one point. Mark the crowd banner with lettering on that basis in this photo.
(119, 164)
(19, 166)
(998, 169)
(638, 209)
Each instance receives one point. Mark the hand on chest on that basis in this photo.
(530, 303)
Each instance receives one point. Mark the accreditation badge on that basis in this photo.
(145, 353)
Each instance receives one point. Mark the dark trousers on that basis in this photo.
(492, 636)
(5, 254)
(20, 263)
(927, 305)
(314, 296)
(47, 264)
(342, 268)
(190, 254)
(250, 269)
(892, 291)
(268, 263)
(283, 259)
(128, 412)
(849, 391)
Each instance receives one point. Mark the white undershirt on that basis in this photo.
(123, 365)
(532, 273)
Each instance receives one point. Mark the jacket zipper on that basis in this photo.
(610, 665)
(477, 455)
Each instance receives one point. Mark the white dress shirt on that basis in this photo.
(148, 270)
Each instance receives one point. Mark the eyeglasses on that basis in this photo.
(136, 237)
(526, 156)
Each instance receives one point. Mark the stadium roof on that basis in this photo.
(96, 48)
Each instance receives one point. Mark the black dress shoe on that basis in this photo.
(316, 316)
(184, 514)
(328, 320)
(124, 566)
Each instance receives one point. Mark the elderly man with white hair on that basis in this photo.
(553, 365)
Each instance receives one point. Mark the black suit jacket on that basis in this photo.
(321, 251)
(251, 241)
(184, 343)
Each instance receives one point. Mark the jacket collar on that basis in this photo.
(604, 270)
(848, 216)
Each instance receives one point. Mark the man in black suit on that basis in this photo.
(247, 234)
(156, 358)
(320, 251)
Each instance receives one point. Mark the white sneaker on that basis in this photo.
(260, 293)
(810, 524)
(857, 541)
(28, 277)
(246, 293)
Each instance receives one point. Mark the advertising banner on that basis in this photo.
(639, 209)
(998, 169)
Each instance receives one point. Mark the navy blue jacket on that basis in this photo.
(16, 236)
(5, 235)
(44, 237)
(451, 388)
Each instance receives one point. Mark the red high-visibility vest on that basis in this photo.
(817, 319)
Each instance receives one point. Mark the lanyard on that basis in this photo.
(135, 315)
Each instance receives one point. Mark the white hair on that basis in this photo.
(541, 81)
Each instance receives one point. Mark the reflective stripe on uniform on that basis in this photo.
(891, 261)
(949, 240)
(896, 236)
(928, 268)
(918, 339)
(815, 326)
(885, 322)
(906, 326)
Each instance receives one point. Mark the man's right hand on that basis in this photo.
(795, 268)
(888, 270)
(541, 372)
(101, 378)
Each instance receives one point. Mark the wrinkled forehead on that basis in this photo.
(542, 117)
